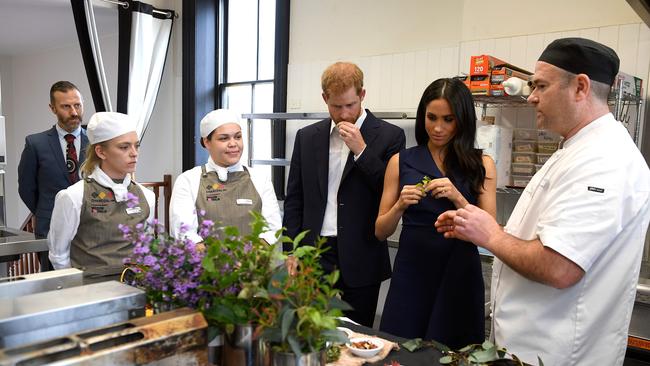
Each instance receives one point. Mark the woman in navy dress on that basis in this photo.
(437, 289)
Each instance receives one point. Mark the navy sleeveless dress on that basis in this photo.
(436, 291)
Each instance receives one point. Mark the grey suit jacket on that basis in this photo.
(42, 174)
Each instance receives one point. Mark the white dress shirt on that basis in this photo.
(182, 208)
(590, 202)
(338, 156)
(67, 209)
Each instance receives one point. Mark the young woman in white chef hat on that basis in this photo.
(84, 231)
(223, 188)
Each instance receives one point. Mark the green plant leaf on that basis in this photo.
(303, 250)
(335, 336)
(487, 345)
(413, 345)
(445, 360)
(287, 319)
(539, 361)
(298, 239)
(294, 344)
(483, 356)
(337, 303)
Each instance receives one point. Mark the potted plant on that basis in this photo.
(225, 277)
(236, 271)
(303, 309)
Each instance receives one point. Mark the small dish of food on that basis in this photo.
(365, 347)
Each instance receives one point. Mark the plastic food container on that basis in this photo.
(547, 147)
(524, 134)
(547, 136)
(524, 157)
(520, 181)
(523, 169)
(541, 158)
(524, 146)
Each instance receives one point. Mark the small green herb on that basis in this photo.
(333, 353)
(423, 183)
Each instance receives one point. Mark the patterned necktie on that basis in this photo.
(71, 161)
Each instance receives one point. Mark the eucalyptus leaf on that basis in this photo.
(294, 344)
(287, 318)
(413, 345)
(539, 361)
(483, 356)
(445, 360)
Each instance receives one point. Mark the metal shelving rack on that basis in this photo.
(299, 116)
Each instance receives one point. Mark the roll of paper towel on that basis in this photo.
(516, 86)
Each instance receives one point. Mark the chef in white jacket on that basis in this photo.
(567, 262)
(223, 190)
(84, 230)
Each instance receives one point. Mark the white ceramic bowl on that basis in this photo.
(348, 332)
(365, 353)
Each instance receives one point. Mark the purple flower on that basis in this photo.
(132, 200)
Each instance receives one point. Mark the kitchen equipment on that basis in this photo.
(176, 337)
(35, 317)
(11, 287)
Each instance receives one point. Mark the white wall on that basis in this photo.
(26, 81)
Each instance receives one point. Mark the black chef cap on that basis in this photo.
(583, 56)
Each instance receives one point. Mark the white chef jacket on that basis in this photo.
(67, 211)
(182, 208)
(590, 202)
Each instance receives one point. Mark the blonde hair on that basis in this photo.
(341, 76)
(92, 160)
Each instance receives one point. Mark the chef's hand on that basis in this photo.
(409, 195)
(351, 135)
(444, 188)
(469, 224)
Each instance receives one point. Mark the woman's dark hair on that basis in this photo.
(462, 159)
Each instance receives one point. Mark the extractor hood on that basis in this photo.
(642, 9)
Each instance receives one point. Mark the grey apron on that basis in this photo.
(98, 248)
(228, 203)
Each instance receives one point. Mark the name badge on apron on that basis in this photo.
(133, 210)
(244, 201)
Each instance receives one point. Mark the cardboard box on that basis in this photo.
(503, 73)
(630, 84)
(496, 141)
(483, 64)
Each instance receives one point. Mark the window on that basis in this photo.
(246, 79)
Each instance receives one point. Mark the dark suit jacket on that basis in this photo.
(363, 260)
(42, 174)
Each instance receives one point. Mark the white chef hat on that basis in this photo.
(104, 126)
(216, 119)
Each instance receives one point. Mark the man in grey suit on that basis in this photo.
(50, 161)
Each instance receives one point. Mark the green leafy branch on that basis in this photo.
(486, 353)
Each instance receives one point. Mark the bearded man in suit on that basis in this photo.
(50, 160)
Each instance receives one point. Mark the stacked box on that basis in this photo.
(496, 141)
(486, 73)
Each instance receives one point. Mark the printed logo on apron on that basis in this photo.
(214, 191)
(99, 201)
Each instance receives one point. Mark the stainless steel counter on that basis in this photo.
(44, 315)
(14, 241)
(11, 287)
